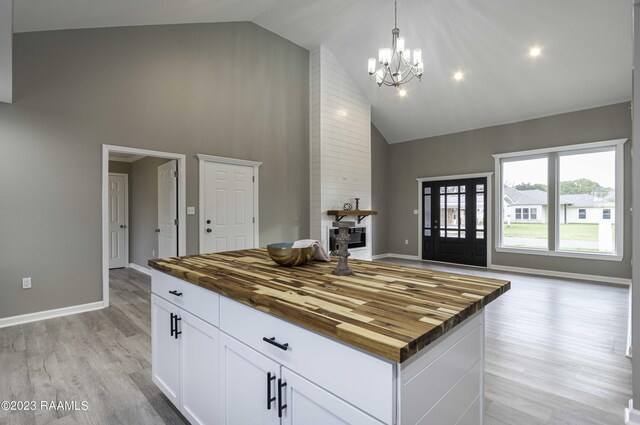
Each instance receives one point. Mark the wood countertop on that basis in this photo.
(389, 310)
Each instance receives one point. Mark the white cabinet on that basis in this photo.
(165, 349)
(247, 385)
(259, 391)
(185, 363)
(308, 404)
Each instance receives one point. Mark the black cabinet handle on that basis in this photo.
(172, 322)
(176, 293)
(177, 319)
(281, 406)
(270, 399)
(273, 341)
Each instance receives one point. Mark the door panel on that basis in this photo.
(308, 404)
(453, 220)
(200, 370)
(228, 207)
(165, 349)
(244, 385)
(167, 210)
(117, 221)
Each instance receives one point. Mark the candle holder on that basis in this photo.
(342, 252)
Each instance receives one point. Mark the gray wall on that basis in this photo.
(143, 240)
(379, 191)
(470, 152)
(230, 89)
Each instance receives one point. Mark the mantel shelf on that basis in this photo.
(361, 214)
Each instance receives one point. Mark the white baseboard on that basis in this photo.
(631, 416)
(140, 269)
(403, 256)
(50, 314)
(563, 275)
(379, 256)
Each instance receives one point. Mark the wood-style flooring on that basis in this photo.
(554, 355)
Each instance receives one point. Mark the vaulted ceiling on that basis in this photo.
(585, 61)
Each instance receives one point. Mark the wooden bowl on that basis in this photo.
(285, 255)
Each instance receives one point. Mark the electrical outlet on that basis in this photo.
(191, 210)
(26, 283)
(406, 241)
(153, 253)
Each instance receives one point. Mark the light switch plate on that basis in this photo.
(191, 210)
(415, 212)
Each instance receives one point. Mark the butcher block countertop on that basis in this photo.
(388, 310)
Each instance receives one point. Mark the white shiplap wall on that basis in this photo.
(340, 127)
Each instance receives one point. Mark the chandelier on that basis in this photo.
(395, 64)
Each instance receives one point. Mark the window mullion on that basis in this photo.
(553, 201)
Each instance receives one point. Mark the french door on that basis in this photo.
(454, 221)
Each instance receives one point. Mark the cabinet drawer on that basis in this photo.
(197, 301)
(361, 379)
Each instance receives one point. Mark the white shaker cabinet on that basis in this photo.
(185, 361)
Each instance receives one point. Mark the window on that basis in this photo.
(524, 182)
(586, 210)
(588, 180)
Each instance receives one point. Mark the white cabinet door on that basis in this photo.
(247, 383)
(199, 345)
(167, 210)
(228, 207)
(118, 221)
(308, 404)
(165, 348)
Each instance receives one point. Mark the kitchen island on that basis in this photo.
(238, 339)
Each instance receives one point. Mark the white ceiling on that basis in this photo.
(585, 61)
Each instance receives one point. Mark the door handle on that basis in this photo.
(281, 406)
(208, 221)
(172, 322)
(176, 293)
(176, 319)
(123, 226)
(157, 230)
(273, 341)
(270, 398)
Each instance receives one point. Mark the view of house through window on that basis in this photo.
(587, 201)
(524, 214)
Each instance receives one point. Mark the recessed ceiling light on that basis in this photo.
(402, 92)
(535, 51)
(458, 76)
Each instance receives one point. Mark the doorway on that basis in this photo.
(175, 213)
(167, 229)
(454, 221)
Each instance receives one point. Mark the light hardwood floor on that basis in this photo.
(554, 355)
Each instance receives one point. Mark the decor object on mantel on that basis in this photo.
(357, 203)
(286, 255)
(397, 68)
(347, 206)
(361, 214)
(343, 243)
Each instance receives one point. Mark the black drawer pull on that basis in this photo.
(176, 293)
(177, 319)
(172, 324)
(281, 406)
(273, 341)
(270, 399)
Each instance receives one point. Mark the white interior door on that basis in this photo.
(117, 221)
(228, 207)
(167, 210)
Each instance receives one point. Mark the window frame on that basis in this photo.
(606, 211)
(553, 221)
(582, 216)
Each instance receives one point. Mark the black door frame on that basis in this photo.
(489, 207)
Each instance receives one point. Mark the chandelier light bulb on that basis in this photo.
(417, 56)
(372, 66)
(402, 92)
(420, 69)
(379, 76)
(400, 45)
(407, 55)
